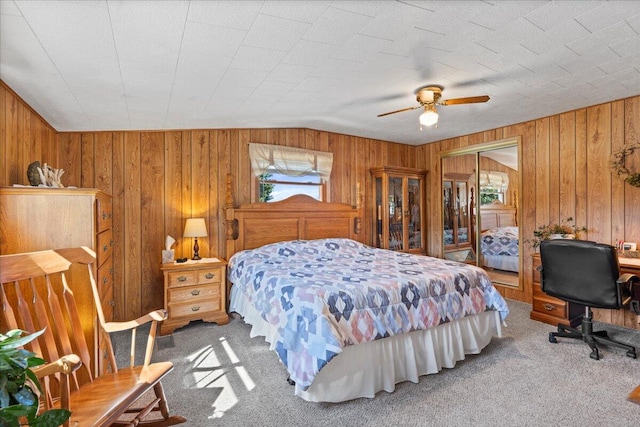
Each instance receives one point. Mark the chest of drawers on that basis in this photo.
(194, 290)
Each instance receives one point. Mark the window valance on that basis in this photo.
(289, 161)
(494, 180)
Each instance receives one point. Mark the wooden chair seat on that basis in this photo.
(104, 400)
(35, 296)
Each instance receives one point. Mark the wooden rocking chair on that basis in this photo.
(35, 295)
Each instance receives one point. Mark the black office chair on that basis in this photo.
(585, 273)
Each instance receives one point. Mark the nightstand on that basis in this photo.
(194, 290)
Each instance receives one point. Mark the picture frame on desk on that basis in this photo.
(629, 246)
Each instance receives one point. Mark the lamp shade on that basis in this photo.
(195, 227)
(429, 117)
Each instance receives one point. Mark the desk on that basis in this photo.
(555, 311)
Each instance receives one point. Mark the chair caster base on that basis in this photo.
(552, 338)
(290, 381)
(631, 354)
(594, 354)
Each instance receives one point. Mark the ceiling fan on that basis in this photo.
(428, 97)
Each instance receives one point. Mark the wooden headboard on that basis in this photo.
(497, 214)
(298, 217)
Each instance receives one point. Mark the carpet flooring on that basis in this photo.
(222, 377)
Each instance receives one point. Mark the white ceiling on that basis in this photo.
(326, 65)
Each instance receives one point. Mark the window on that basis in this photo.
(282, 172)
(492, 186)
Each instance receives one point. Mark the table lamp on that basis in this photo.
(195, 227)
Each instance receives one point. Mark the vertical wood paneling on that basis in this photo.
(617, 194)
(542, 173)
(5, 160)
(24, 138)
(617, 185)
(173, 187)
(118, 226)
(554, 168)
(184, 247)
(104, 162)
(632, 194)
(70, 152)
(15, 140)
(599, 184)
(133, 254)
(152, 202)
(581, 168)
(88, 158)
(200, 170)
(567, 170)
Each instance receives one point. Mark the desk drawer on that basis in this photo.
(550, 305)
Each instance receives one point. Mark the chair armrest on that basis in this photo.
(132, 325)
(158, 316)
(65, 365)
(628, 278)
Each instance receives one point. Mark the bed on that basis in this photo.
(499, 238)
(382, 322)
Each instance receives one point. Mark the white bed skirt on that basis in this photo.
(363, 370)
(501, 262)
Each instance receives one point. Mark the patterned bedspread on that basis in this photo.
(500, 241)
(323, 295)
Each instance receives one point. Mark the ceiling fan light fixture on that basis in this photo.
(429, 117)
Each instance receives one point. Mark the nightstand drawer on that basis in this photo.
(192, 293)
(182, 278)
(213, 275)
(194, 308)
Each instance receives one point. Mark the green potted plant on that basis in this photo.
(563, 230)
(19, 386)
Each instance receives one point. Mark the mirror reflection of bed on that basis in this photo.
(499, 246)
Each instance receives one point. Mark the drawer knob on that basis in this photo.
(105, 248)
(209, 275)
(195, 292)
(195, 308)
(105, 215)
(182, 279)
(548, 307)
(105, 280)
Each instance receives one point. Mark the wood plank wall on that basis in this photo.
(24, 138)
(158, 179)
(565, 173)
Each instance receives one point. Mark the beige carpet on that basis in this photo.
(222, 377)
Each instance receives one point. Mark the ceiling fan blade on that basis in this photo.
(399, 111)
(469, 100)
